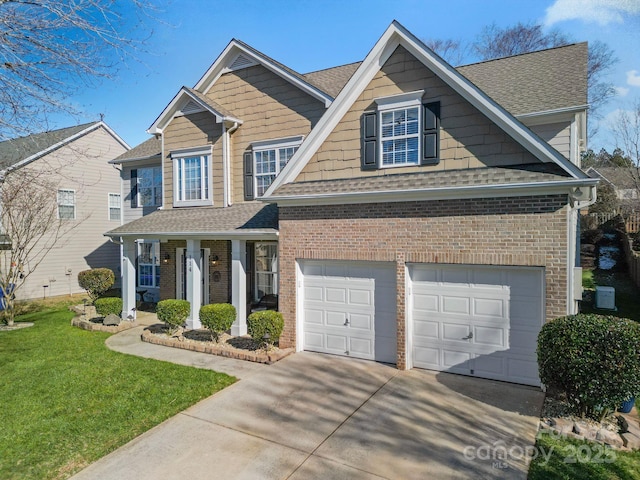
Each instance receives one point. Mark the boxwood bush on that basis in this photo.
(593, 359)
(96, 281)
(106, 305)
(173, 312)
(218, 318)
(265, 321)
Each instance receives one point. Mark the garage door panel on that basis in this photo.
(426, 329)
(489, 307)
(362, 293)
(489, 336)
(336, 295)
(314, 339)
(502, 306)
(455, 332)
(360, 297)
(456, 305)
(428, 303)
(314, 317)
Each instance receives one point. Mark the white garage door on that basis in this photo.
(477, 320)
(349, 308)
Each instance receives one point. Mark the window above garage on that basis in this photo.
(401, 132)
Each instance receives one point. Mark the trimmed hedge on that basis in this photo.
(218, 318)
(96, 281)
(173, 312)
(106, 305)
(265, 321)
(593, 359)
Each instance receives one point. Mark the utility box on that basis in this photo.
(606, 298)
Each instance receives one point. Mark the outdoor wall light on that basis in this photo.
(166, 258)
(214, 260)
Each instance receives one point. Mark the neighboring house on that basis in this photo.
(623, 181)
(405, 215)
(75, 162)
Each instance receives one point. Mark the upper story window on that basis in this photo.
(264, 163)
(66, 204)
(402, 131)
(146, 187)
(115, 210)
(192, 180)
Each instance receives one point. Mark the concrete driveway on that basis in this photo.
(313, 416)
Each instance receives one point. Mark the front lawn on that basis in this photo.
(561, 458)
(67, 400)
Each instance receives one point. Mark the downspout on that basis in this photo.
(227, 161)
(225, 179)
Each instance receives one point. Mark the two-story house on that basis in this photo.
(409, 212)
(74, 161)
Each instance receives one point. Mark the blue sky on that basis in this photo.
(311, 35)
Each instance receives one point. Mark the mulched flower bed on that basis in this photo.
(241, 348)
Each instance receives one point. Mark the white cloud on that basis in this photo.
(622, 91)
(602, 12)
(633, 78)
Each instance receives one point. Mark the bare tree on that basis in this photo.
(29, 215)
(626, 130)
(50, 49)
(453, 51)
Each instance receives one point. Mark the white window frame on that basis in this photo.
(155, 264)
(154, 188)
(72, 204)
(204, 155)
(111, 207)
(403, 101)
(276, 146)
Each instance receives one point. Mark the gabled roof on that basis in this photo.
(620, 177)
(236, 48)
(331, 80)
(396, 35)
(181, 99)
(18, 152)
(240, 220)
(535, 82)
(148, 149)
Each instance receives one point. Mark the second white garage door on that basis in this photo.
(349, 308)
(477, 320)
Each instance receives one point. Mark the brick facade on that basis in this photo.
(525, 231)
(219, 275)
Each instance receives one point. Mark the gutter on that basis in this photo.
(466, 191)
(203, 235)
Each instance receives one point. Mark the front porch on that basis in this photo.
(204, 255)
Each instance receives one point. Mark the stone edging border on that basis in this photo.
(261, 357)
(96, 327)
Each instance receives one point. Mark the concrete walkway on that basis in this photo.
(313, 416)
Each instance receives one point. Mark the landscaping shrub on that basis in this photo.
(173, 312)
(106, 305)
(96, 281)
(217, 317)
(593, 359)
(266, 321)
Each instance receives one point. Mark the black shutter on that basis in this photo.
(369, 141)
(248, 176)
(134, 188)
(430, 133)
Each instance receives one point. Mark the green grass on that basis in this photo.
(68, 400)
(591, 461)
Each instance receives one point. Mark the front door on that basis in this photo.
(181, 274)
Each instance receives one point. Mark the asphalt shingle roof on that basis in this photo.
(236, 219)
(332, 80)
(17, 149)
(619, 177)
(542, 172)
(147, 149)
(534, 82)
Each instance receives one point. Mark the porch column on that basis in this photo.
(194, 285)
(239, 285)
(129, 253)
